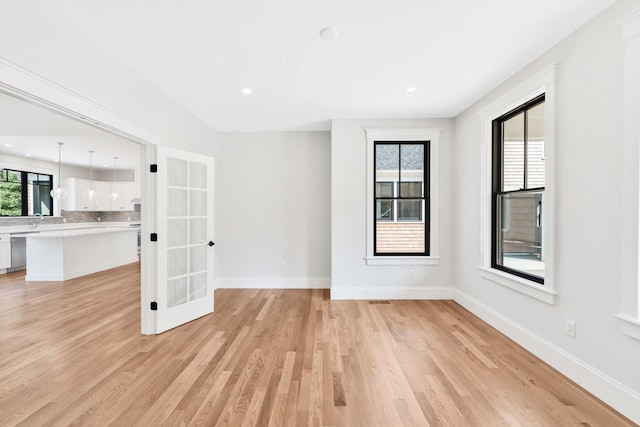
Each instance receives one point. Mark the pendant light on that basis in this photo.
(114, 196)
(91, 193)
(59, 192)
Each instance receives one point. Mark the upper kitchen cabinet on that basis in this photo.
(75, 200)
(126, 192)
(76, 189)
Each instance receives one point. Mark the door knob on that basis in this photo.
(211, 243)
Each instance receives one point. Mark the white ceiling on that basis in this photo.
(203, 53)
(33, 130)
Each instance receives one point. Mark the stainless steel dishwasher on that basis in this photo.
(18, 254)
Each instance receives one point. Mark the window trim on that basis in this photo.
(405, 135)
(497, 175)
(544, 81)
(629, 312)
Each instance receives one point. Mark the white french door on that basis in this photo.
(185, 237)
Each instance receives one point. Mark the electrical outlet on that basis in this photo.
(570, 328)
(284, 265)
(413, 272)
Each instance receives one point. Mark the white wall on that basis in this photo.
(588, 221)
(351, 277)
(36, 36)
(41, 166)
(273, 209)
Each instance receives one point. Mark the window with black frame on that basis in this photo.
(518, 181)
(401, 198)
(25, 193)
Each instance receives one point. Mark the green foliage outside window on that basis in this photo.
(10, 194)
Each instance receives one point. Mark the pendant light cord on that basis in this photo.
(59, 160)
(91, 167)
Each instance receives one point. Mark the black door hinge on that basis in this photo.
(154, 306)
(153, 168)
(154, 237)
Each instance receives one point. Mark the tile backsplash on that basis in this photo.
(72, 216)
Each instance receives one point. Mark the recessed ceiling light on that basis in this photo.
(247, 91)
(28, 155)
(105, 166)
(8, 145)
(329, 33)
(411, 89)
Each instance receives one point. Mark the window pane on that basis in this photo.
(535, 147)
(387, 157)
(387, 168)
(197, 175)
(11, 193)
(176, 172)
(412, 156)
(400, 238)
(38, 198)
(520, 232)
(410, 189)
(176, 292)
(409, 210)
(197, 286)
(384, 210)
(513, 153)
(384, 189)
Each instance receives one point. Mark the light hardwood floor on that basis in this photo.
(72, 354)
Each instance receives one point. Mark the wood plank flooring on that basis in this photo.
(72, 355)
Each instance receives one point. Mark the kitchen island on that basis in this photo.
(65, 254)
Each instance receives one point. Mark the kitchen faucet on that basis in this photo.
(34, 224)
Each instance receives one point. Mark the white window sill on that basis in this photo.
(402, 260)
(630, 326)
(518, 284)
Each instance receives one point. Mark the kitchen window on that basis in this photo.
(25, 193)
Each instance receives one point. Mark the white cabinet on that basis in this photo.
(76, 188)
(75, 195)
(102, 200)
(5, 251)
(126, 192)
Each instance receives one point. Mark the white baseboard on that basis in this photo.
(273, 283)
(610, 391)
(338, 293)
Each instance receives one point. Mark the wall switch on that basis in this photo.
(570, 328)
(129, 218)
(64, 219)
(99, 219)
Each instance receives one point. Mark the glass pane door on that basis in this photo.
(186, 287)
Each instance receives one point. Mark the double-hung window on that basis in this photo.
(518, 189)
(401, 198)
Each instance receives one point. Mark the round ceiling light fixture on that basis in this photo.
(329, 33)
(410, 89)
(247, 91)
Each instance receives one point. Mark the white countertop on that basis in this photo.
(13, 229)
(78, 232)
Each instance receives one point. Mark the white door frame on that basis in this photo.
(18, 81)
